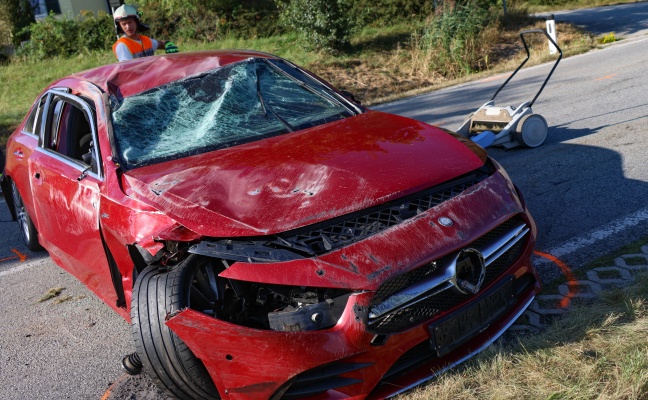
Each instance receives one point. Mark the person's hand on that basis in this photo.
(170, 47)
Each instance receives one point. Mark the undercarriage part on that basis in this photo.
(308, 316)
(132, 364)
(165, 357)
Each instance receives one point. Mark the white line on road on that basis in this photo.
(604, 232)
(17, 269)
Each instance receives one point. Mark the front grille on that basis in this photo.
(319, 239)
(445, 297)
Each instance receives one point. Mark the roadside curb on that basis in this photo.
(547, 307)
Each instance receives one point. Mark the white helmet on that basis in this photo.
(127, 11)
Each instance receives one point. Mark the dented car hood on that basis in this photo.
(297, 179)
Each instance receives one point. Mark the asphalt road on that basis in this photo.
(625, 20)
(586, 187)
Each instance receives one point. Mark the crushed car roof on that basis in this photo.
(131, 77)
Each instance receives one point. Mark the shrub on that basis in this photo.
(322, 24)
(19, 15)
(68, 36)
(208, 20)
(455, 39)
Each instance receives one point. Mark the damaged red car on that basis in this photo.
(266, 235)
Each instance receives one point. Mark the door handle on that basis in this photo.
(19, 154)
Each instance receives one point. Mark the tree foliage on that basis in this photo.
(67, 36)
(20, 15)
(322, 24)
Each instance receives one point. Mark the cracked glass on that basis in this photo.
(224, 107)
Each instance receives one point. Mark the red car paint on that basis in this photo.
(267, 187)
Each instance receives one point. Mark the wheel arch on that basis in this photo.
(5, 185)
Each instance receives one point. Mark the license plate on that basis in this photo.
(459, 328)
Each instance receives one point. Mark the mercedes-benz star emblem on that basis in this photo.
(470, 270)
(445, 221)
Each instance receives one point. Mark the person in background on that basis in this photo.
(132, 44)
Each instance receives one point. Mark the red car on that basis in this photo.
(265, 234)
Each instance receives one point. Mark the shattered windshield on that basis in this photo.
(224, 107)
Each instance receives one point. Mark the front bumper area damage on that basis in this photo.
(401, 317)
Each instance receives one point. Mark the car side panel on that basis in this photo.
(68, 211)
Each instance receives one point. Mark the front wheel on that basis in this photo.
(27, 229)
(165, 357)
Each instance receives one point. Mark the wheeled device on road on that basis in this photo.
(510, 126)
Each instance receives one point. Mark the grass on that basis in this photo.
(52, 293)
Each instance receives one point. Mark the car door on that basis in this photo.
(66, 179)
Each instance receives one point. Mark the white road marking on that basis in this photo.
(17, 269)
(604, 232)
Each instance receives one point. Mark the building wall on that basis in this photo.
(73, 7)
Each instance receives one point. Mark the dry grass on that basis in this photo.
(405, 70)
(52, 293)
(597, 351)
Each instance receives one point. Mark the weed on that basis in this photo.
(50, 294)
(609, 38)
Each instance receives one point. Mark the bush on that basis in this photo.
(455, 38)
(208, 20)
(68, 36)
(387, 12)
(323, 24)
(19, 15)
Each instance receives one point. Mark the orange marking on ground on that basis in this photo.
(571, 279)
(494, 78)
(109, 391)
(20, 255)
(606, 77)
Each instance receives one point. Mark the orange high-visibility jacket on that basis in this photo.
(137, 49)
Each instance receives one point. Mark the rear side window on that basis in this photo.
(33, 119)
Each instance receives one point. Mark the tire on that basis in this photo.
(532, 130)
(165, 357)
(27, 228)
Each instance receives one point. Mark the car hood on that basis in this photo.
(297, 179)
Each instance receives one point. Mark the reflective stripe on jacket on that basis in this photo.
(137, 49)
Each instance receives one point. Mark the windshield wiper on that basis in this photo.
(264, 107)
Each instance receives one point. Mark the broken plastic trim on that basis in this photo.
(256, 305)
(309, 317)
